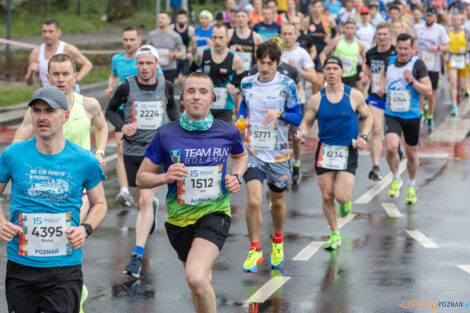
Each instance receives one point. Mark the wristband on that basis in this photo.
(100, 152)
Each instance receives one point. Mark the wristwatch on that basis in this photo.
(238, 178)
(282, 113)
(88, 229)
(365, 137)
(412, 82)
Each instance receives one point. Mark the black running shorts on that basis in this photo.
(409, 127)
(352, 162)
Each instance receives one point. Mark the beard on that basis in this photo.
(181, 25)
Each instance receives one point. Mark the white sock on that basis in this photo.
(396, 176)
(411, 182)
(296, 162)
(124, 190)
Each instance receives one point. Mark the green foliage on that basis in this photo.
(10, 96)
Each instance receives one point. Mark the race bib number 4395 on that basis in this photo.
(202, 184)
(44, 234)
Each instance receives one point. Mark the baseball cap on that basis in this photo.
(333, 60)
(431, 10)
(148, 49)
(52, 95)
(364, 10)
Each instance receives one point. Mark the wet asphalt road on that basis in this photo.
(383, 262)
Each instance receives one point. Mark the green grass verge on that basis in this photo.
(97, 75)
(10, 96)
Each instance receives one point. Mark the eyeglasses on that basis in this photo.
(66, 75)
(364, 13)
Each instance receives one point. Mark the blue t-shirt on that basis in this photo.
(172, 144)
(332, 7)
(44, 183)
(266, 30)
(124, 68)
(202, 35)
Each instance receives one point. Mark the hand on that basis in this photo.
(433, 48)
(34, 67)
(76, 236)
(209, 42)
(231, 89)
(176, 172)
(299, 136)
(232, 184)
(407, 75)
(292, 63)
(108, 93)
(9, 230)
(129, 129)
(326, 39)
(381, 91)
(100, 158)
(360, 143)
(189, 55)
(233, 47)
(170, 56)
(365, 80)
(271, 116)
(461, 50)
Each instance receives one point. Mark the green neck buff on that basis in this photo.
(201, 125)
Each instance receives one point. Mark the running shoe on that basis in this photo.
(466, 93)
(155, 213)
(430, 124)
(133, 268)
(455, 110)
(296, 174)
(344, 209)
(394, 190)
(83, 297)
(277, 255)
(411, 197)
(254, 258)
(124, 199)
(334, 241)
(375, 173)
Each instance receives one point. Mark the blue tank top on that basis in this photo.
(337, 122)
(202, 36)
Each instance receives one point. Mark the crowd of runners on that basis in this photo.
(245, 74)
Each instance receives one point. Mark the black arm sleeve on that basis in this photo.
(237, 79)
(419, 69)
(119, 97)
(171, 106)
(194, 67)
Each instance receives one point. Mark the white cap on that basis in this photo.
(148, 49)
(249, 8)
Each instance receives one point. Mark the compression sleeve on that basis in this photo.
(119, 97)
(242, 110)
(293, 115)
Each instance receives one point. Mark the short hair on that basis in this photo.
(52, 21)
(317, 1)
(419, 9)
(394, 7)
(182, 12)
(130, 28)
(270, 49)
(271, 1)
(384, 25)
(61, 57)
(289, 24)
(165, 12)
(266, 7)
(200, 75)
(405, 37)
(221, 26)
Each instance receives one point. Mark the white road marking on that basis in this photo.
(377, 188)
(465, 268)
(391, 209)
(306, 253)
(422, 239)
(262, 294)
(424, 155)
(344, 221)
(451, 130)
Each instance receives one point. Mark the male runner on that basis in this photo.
(270, 103)
(147, 100)
(198, 203)
(169, 46)
(432, 42)
(376, 58)
(226, 71)
(40, 56)
(396, 17)
(243, 41)
(267, 27)
(336, 108)
(405, 78)
(44, 233)
(186, 33)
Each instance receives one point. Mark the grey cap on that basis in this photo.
(51, 95)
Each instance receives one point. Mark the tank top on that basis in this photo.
(457, 41)
(77, 127)
(244, 46)
(202, 36)
(348, 53)
(220, 73)
(318, 33)
(184, 35)
(337, 122)
(43, 62)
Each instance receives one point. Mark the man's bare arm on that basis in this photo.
(26, 130)
(82, 61)
(33, 67)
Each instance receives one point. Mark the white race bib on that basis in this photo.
(149, 114)
(263, 138)
(44, 234)
(457, 61)
(333, 157)
(429, 59)
(246, 58)
(375, 83)
(400, 100)
(347, 64)
(221, 98)
(202, 184)
(163, 58)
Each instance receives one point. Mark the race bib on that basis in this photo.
(44, 234)
(457, 61)
(263, 137)
(375, 83)
(202, 184)
(148, 114)
(163, 58)
(246, 58)
(333, 157)
(429, 59)
(347, 64)
(221, 98)
(399, 100)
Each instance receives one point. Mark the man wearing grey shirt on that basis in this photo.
(169, 45)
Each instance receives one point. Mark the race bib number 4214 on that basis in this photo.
(44, 234)
(202, 184)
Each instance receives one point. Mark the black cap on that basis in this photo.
(52, 96)
(431, 10)
(333, 60)
(219, 16)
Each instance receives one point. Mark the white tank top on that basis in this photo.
(43, 62)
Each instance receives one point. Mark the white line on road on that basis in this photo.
(391, 209)
(344, 221)
(465, 268)
(377, 188)
(262, 294)
(306, 253)
(422, 239)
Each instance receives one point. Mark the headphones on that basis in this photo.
(214, 97)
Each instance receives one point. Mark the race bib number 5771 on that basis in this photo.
(44, 234)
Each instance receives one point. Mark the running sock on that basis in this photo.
(255, 245)
(421, 112)
(454, 104)
(139, 250)
(396, 176)
(430, 117)
(277, 238)
(296, 162)
(124, 190)
(411, 182)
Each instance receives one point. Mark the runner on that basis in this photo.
(375, 15)
(226, 71)
(274, 7)
(347, 12)
(271, 104)
(432, 42)
(203, 33)
(291, 12)
(243, 41)
(376, 58)
(186, 33)
(169, 46)
(396, 17)
(336, 107)
(267, 27)
(84, 112)
(405, 78)
(39, 57)
(147, 100)
(48, 174)
(256, 15)
(365, 30)
(199, 215)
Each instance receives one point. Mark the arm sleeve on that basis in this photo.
(119, 97)
(242, 110)
(254, 69)
(171, 107)
(293, 109)
(419, 69)
(237, 79)
(154, 150)
(237, 146)
(94, 173)
(5, 169)
(293, 115)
